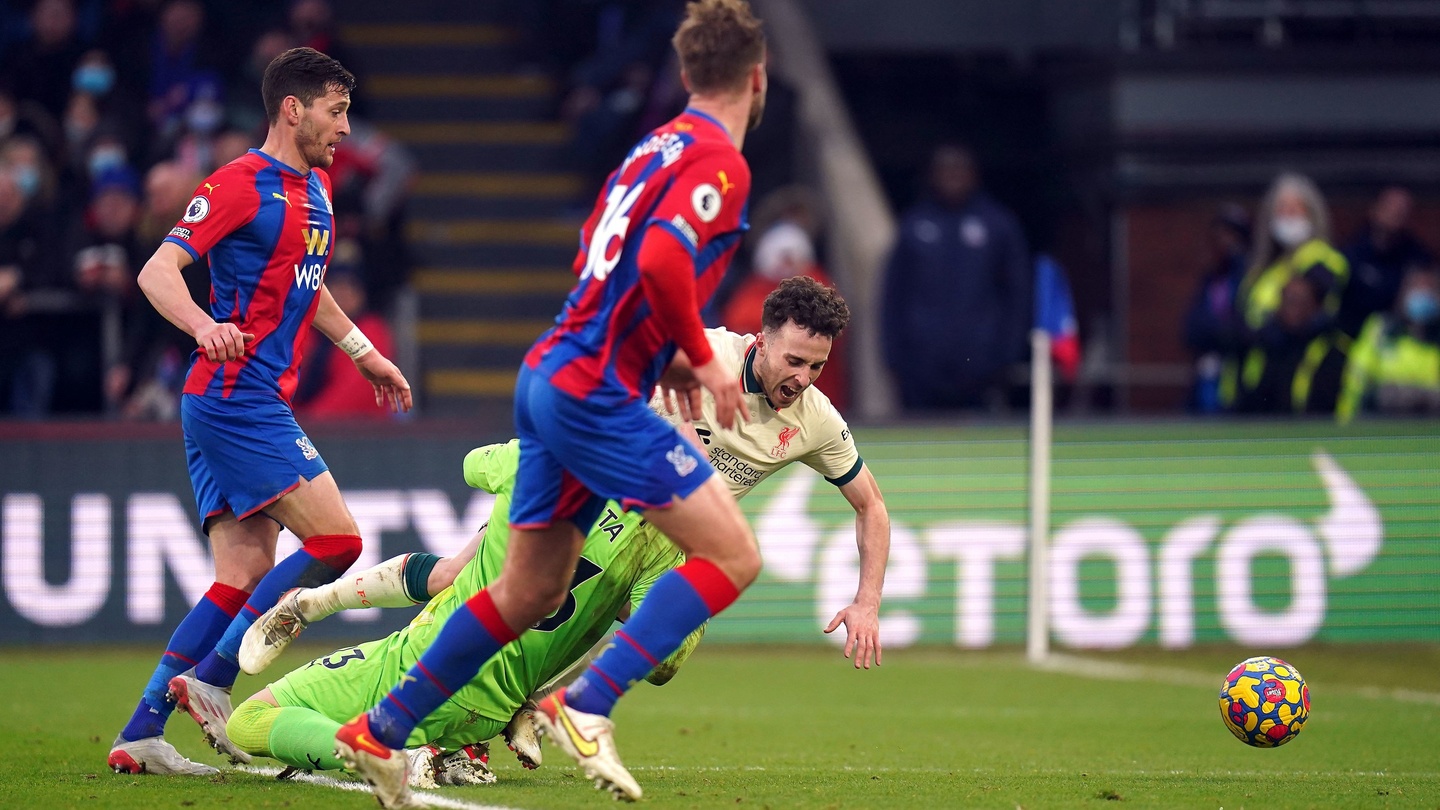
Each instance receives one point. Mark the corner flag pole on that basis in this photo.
(1037, 645)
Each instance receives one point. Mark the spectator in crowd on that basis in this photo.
(29, 166)
(957, 291)
(194, 142)
(231, 144)
(1213, 329)
(1379, 255)
(1295, 361)
(146, 383)
(246, 108)
(108, 254)
(100, 100)
(1394, 366)
(19, 116)
(312, 25)
(40, 67)
(373, 176)
(1292, 239)
(27, 371)
(181, 59)
(329, 388)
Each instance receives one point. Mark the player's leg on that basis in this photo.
(546, 506)
(402, 581)
(239, 565)
(244, 551)
(295, 735)
(315, 512)
(722, 559)
(539, 564)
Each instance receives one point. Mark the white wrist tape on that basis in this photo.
(355, 343)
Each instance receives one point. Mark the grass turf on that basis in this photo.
(784, 727)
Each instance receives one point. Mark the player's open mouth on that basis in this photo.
(788, 393)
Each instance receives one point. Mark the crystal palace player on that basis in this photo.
(664, 228)
(266, 222)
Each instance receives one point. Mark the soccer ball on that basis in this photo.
(1264, 702)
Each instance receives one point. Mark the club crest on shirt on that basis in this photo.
(683, 462)
(198, 209)
(306, 448)
(783, 445)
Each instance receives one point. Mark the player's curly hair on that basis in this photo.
(718, 43)
(814, 307)
(304, 73)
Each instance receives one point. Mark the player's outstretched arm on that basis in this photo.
(872, 534)
(391, 387)
(162, 284)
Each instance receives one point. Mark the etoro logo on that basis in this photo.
(1154, 583)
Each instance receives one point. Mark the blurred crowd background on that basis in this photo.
(1076, 166)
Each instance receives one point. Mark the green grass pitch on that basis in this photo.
(784, 727)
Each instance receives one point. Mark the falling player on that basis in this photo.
(794, 422)
(663, 231)
(265, 220)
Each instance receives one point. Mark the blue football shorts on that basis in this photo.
(244, 454)
(575, 455)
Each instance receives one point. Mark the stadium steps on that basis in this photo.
(492, 225)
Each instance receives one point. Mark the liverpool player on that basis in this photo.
(266, 223)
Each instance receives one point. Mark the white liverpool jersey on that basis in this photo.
(811, 431)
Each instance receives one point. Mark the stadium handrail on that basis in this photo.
(862, 222)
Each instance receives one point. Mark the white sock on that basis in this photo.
(381, 586)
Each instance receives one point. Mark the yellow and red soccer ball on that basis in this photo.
(1264, 702)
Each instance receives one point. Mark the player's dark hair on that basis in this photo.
(304, 73)
(718, 43)
(814, 307)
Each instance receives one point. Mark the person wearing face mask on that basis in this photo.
(1292, 238)
(29, 167)
(1395, 364)
(41, 65)
(99, 101)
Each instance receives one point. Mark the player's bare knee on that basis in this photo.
(744, 566)
(549, 597)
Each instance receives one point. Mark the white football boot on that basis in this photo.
(590, 740)
(153, 755)
(272, 633)
(209, 705)
(522, 735)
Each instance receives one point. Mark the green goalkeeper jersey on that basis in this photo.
(621, 558)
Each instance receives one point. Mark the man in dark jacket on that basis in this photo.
(957, 291)
(1379, 256)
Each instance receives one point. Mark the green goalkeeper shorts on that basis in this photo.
(351, 680)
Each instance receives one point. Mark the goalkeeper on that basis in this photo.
(295, 719)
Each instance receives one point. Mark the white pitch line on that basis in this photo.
(1121, 671)
(431, 799)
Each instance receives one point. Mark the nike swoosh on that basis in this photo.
(366, 741)
(314, 761)
(586, 747)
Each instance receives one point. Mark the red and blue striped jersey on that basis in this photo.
(687, 178)
(268, 231)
